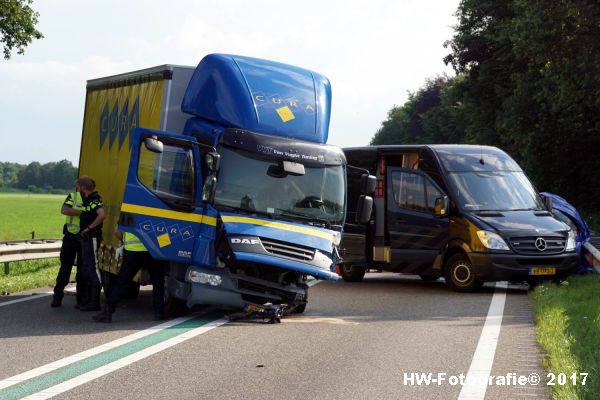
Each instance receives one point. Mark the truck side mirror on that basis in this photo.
(368, 184)
(212, 161)
(209, 190)
(364, 209)
(153, 144)
(441, 207)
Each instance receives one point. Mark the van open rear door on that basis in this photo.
(162, 203)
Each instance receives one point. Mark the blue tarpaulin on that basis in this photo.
(577, 221)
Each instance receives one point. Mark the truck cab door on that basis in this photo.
(162, 201)
(416, 235)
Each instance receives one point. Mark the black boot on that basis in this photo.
(94, 303)
(160, 315)
(105, 315)
(57, 300)
(81, 295)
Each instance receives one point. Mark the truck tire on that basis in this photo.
(299, 309)
(352, 273)
(460, 275)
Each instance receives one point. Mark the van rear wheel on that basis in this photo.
(352, 273)
(460, 275)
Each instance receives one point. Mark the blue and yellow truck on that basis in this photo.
(223, 170)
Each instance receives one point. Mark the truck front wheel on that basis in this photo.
(352, 273)
(460, 275)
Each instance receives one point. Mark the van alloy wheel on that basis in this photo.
(460, 274)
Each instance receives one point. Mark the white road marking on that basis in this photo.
(476, 381)
(123, 362)
(13, 380)
(32, 297)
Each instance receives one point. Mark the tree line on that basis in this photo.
(35, 177)
(527, 81)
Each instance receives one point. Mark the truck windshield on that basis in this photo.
(246, 182)
(495, 191)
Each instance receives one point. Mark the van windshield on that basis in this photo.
(495, 191)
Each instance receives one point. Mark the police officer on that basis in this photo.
(70, 249)
(90, 225)
(135, 257)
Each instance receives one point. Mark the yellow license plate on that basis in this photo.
(253, 308)
(542, 271)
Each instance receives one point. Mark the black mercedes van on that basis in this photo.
(463, 212)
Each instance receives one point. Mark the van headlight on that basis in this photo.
(571, 243)
(492, 240)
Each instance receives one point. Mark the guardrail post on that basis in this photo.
(6, 270)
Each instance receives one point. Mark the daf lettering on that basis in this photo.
(244, 241)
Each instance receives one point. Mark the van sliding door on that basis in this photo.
(416, 235)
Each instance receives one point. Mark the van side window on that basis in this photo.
(432, 194)
(409, 190)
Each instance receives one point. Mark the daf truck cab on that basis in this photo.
(243, 198)
(463, 212)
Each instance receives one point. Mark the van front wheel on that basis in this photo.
(352, 273)
(460, 274)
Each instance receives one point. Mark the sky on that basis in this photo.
(373, 52)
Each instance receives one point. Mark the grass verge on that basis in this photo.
(25, 275)
(567, 318)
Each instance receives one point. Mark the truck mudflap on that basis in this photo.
(287, 264)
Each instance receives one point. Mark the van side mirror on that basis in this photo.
(209, 189)
(441, 206)
(364, 209)
(153, 144)
(368, 184)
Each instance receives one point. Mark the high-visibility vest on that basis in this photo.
(72, 222)
(132, 242)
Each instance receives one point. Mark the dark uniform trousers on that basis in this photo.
(88, 260)
(133, 261)
(69, 252)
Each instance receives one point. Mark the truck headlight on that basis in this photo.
(201, 277)
(492, 240)
(571, 243)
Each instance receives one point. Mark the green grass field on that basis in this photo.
(567, 320)
(22, 213)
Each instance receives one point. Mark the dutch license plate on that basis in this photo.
(542, 271)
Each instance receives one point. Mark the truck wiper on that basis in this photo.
(321, 221)
(246, 211)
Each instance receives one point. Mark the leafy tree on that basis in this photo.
(528, 78)
(429, 116)
(17, 25)
(31, 175)
(64, 175)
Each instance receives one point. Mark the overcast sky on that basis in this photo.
(373, 52)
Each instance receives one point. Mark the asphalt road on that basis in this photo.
(355, 340)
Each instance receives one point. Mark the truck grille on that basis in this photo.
(286, 250)
(527, 245)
